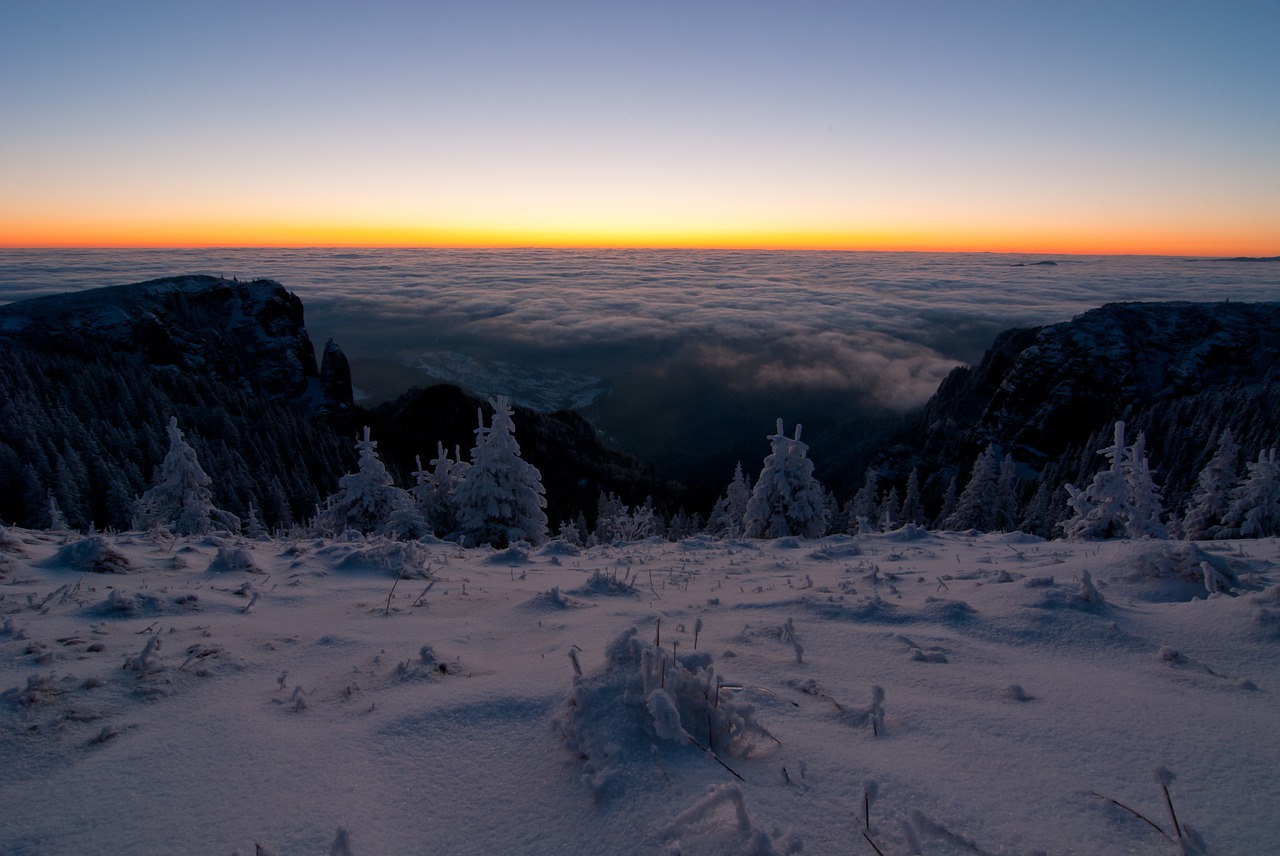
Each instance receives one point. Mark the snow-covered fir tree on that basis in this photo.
(787, 499)
(1106, 508)
(1207, 510)
(434, 489)
(500, 499)
(57, 522)
(889, 513)
(616, 522)
(1038, 517)
(1006, 510)
(1144, 493)
(862, 507)
(726, 518)
(1255, 503)
(253, 527)
(180, 499)
(368, 501)
(948, 503)
(977, 506)
(912, 505)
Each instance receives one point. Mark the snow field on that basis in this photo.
(312, 690)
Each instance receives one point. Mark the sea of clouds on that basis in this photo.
(681, 342)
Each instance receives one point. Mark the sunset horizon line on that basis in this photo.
(726, 246)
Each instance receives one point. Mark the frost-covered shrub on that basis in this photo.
(38, 689)
(120, 605)
(600, 583)
(406, 559)
(643, 695)
(92, 554)
(233, 557)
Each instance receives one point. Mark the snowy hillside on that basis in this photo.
(891, 693)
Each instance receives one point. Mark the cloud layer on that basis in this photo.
(742, 332)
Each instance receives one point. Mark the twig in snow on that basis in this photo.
(716, 758)
(1139, 815)
(391, 594)
(867, 836)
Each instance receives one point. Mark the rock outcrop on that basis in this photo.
(246, 334)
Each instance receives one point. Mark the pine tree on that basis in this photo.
(787, 499)
(727, 515)
(367, 501)
(1102, 509)
(1207, 510)
(1255, 502)
(912, 505)
(976, 508)
(862, 508)
(500, 499)
(948, 503)
(1005, 515)
(180, 500)
(1123, 499)
(889, 512)
(1143, 493)
(435, 489)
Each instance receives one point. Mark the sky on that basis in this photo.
(1083, 127)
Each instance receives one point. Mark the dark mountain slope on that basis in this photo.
(89, 380)
(1180, 372)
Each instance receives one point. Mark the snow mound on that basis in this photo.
(232, 558)
(117, 604)
(551, 601)
(558, 547)
(1172, 571)
(614, 720)
(609, 585)
(516, 554)
(406, 559)
(91, 554)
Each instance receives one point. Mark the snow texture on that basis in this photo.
(956, 693)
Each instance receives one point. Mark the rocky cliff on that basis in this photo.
(1181, 372)
(246, 334)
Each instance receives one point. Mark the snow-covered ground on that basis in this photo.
(966, 694)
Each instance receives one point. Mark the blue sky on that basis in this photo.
(1104, 127)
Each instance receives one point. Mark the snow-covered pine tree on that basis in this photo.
(434, 491)
(253, 527)
(180, 499)
(1005, 515)
(500, 500)
(726, 517)
(57, 523)
(889, 513)
(1102, 510)
(1037, 517)
(861, 509)
(368, 501)
(948, 503)
(1206, 512)
(1123, 499)
(977, 504)
(787, 499)
(912, 505)
(1255, 502)
(611, 515)
(1143, 493)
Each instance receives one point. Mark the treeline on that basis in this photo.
(89, 432)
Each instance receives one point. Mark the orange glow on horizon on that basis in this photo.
(1079, 241)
